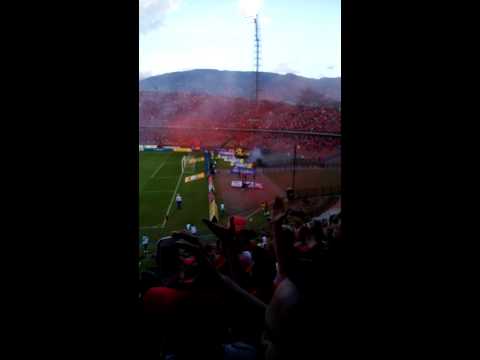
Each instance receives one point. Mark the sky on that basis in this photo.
(302, 37)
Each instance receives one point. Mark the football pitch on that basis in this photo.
(161, 178)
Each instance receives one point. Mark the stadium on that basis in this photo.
(240, 210)
(176, 149)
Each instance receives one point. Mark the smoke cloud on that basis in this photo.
(255, 154)
(153, 12)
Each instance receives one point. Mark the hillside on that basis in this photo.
(274, 87)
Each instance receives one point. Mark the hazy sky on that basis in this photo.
(297, 36)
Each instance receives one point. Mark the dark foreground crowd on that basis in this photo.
(272, 295)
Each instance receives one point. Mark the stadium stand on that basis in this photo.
(200, 120)
(207, 111)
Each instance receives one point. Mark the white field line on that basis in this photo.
(158, 169)
(254, 212)
(175, 191)
(156, 191)
(150, 227)
(153, 175)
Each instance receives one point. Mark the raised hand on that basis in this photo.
(228, 245)
(281, 242)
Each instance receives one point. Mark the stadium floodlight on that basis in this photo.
(250, 9)
(257, 58)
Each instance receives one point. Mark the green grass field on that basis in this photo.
(160, 179)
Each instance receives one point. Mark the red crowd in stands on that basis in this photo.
(207, 111)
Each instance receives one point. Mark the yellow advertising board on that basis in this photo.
(195, 160)
(194, 177)
(180, 149)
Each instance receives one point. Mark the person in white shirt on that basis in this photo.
(178, 199)
(264, 241)
(222, 208)
(193, 230)
(145, 241)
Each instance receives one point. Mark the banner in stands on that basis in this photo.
(238, 170)
(226, 152)
(156, 150)
(249, 184)
(228, 158)
(242, 164)
(177, 148)
(194, 177)
(182, 149)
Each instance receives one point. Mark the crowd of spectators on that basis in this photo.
(208, 111)
(247, 296)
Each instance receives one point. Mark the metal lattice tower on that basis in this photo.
(257, 58)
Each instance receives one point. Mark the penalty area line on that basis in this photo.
(174, 192)
(154, 173)
(158, 169)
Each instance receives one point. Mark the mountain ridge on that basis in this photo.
(288, 88)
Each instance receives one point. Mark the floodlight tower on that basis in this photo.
(257, 57)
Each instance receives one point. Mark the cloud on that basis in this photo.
(153, 12)
(250, 8)
(284, 68)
